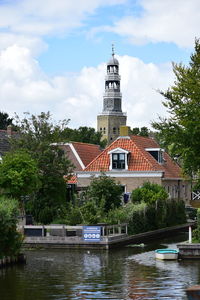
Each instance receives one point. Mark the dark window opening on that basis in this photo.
(158, 155)
(118, 161)
(114, 130)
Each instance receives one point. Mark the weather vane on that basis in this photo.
(113, 50)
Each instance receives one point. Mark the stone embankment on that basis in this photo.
(112, 236)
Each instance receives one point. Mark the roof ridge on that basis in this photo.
(84, 143)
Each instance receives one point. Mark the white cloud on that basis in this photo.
(160, 21)
(24, 87)
(36, 17)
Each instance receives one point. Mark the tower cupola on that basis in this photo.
(112, 117)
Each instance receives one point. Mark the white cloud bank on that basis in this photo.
(168, 21)
(24, 87)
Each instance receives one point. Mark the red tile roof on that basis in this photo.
(72, 180)
(139, 159)
(86, 152)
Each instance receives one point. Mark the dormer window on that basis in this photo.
(118, 159)
(157, 153)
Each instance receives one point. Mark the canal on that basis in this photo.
(126, 273)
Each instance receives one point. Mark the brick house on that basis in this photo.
(133, 160)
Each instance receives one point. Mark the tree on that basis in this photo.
(10, 238)
(143, 131)
(19, 175)
(5, 120)
(84, 135)
(149, 193)
(105, 189)
(181, 130)
(37, 135)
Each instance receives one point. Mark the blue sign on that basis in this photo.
(92, 233)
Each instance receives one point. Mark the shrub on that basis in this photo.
(104, 188)
(196, 232)
(10, 239)
(149, 193)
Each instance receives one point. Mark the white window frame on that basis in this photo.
(119, 151)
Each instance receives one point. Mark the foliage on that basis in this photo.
(180, 132)
(104, 188)
(196, 232)
(19, 174)
(10, 239)
(149, 193)
(143, 131)
(37, 135)
(5, 120)
(84, 135)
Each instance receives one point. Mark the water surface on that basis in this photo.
(126, 273)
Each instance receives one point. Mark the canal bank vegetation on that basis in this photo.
(10, 239)
(148, 209)
(196, 232)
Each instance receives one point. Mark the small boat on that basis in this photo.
(166, 254)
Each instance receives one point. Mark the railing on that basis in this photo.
(64, 230)
(112, 77)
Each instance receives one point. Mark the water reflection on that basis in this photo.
(128, 273)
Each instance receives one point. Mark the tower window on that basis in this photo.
(101, 129)
(104, 130)
(114, 130)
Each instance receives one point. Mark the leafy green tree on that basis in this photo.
(84, 135)
(38, 135)
(19, 175)
(143, 131)
(149, 193)
(10, 239)
(105, 189)
(181, 130)
(5, 120)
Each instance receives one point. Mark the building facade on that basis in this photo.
(112, 117)
(134, 160)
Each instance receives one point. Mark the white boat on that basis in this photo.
(166, 254)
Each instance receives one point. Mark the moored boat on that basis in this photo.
(166, 254)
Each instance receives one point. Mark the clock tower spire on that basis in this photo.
(112, 117)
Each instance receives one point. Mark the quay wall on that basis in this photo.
(107, 242)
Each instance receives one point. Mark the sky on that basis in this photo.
(53, 55)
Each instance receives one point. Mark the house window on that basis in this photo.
(104, 130)
(157, 153)
(114, 130)
(118, 160)
(100, 129)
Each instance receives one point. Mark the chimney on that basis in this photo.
(124, 131)
(9, 130)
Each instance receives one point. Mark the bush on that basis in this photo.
(10, 239)
(104, 188)
(149, 193)
(196, 232)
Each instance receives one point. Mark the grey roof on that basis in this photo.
(112, 61)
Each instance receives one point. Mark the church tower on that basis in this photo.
(112, 117)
